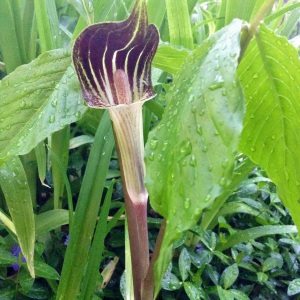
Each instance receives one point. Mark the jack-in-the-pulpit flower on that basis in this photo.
(113, 64)
(113, 60)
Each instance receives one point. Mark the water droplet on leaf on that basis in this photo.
(153, 143)
(187, 203)
(52, 119)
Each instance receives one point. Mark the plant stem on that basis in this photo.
(148, 282)
(245, 40)
(128, 130)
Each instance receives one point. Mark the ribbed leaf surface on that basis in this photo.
(190, 155)
(270, 74)
(36, 100)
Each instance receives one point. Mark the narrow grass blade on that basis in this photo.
(179, 23)
(95, 255)
(17, 194)
(41, 159)
(86, 212)
(50, 220)
(9, 42)
(169, 58)
(245, 235)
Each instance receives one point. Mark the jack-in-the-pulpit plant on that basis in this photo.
(113, 63)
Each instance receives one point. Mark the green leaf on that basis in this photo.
(229, 276)
(169, 58)
(184, 264)
(6, 257)
(190, 155)
(85, 9)
(86, 211)
(179, 23)
(44, 270)
(253, 233)
(224, 294)
(271, 263)
(9, 38)
(36, 100)
(170, 282)
(239, 295)
(193, 291)
(17, 194)
(270, 75)
(294, 287)
(26, 281)
(50, 220)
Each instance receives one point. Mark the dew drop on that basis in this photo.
(78, 114)
(160, 157)
(255, 76)
(252, 148)
(223, 92)
(223, 181)
(202, 112)
(208, 198)
(193, 161)
(187, 203)
(186, 148)
(194, 109)
(279, 42)
(54, 103)
(164, 147)
(204, 149)
(216, 85)
(273, 137)
(151, 156)
(199, 129)
(52, 119)
(191, 98)
(22, 103)
(153, 143)
(225, 163)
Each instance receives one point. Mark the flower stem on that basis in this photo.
(128, 130)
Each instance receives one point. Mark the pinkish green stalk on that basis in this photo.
(113, 64)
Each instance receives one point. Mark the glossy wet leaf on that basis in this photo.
(270, 75)
(190, 154)
(170, 58)
(194, 291)
(271, 263)
(224, 294)
(229, 276)
(184, 264)
(294, 287)
(36, 100)
(14, 184)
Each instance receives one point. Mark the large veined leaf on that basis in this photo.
(270, 74)
(36, 100)
(16, 191)
(190, 155)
